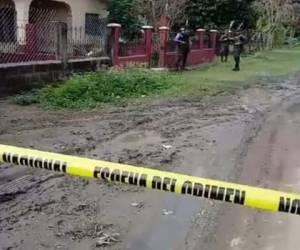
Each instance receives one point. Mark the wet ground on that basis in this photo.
(250, 137)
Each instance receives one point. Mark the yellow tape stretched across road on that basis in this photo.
(253, 197)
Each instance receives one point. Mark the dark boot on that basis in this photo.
(184, 60)
(178, 64)
(237, 63)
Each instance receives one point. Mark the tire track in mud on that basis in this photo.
(233, 221)
(22, 185)
(271, 162)
(200, 236)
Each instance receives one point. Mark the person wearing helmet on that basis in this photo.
(225, 42)
(183, 48)
(238, 47)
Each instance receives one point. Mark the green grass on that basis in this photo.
(92, 89)
(217, 77)
(114, 86)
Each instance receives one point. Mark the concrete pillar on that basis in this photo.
(115, 32)
(213, 38)
(164, 21)
(78, 17)
(163, 38)
(200, 34)
(22, 9)
(62, 43)
(148, 42)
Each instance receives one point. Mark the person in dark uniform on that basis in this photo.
(238, 46)
(182, 40)
(224, 50)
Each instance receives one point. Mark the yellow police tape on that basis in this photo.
(253, 197)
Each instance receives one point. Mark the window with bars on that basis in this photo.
(8, 25)
(94, 24)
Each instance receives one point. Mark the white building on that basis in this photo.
(76, 13)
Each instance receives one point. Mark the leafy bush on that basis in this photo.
(125, 12)
(27, 98)
(88, 90)
(155, 59)
(292, 42)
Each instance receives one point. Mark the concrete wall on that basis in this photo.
(16, 78)
(196, 57)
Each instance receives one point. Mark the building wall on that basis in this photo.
(5, 3)
(72, 12)
(75, 17)
(78, 9)
(61, 12)
(81, 7)
(6, 46)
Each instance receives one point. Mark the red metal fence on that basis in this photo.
(132, 47)
(45, 38)
(203, 46)
(124, 52)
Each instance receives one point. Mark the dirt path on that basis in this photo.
(272, 161)
(40, 210)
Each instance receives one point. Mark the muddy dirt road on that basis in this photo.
(272, 160)
(251, 137)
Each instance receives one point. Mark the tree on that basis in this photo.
(153, 10)
(219, 14)
(277, 19)
(294, 21)
(125, 12)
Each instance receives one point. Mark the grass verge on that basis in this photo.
(113, 86)
(92, 89)
(217, 77)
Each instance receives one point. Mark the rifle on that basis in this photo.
(231, 25)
